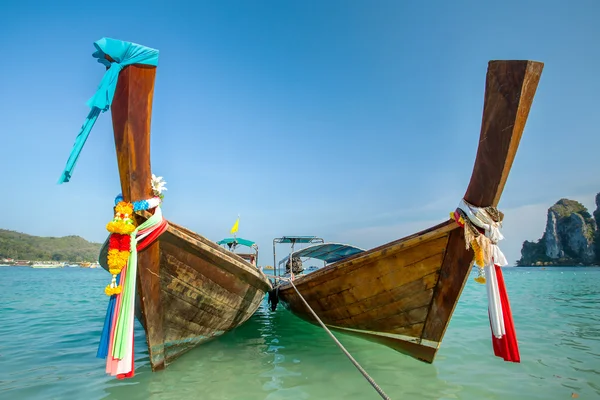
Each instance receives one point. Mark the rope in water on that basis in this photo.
(356, 364)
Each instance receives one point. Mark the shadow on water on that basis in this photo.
(275, 355)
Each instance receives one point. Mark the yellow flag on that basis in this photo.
(235, 226)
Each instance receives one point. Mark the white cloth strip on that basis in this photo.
(498, 302)
(498, 257)
(153, 202)
(494, 303)
(482, 219)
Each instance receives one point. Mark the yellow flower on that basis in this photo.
(120, 226)
(480, 279)
(117, 260)
(478, 253)
(123, 256)
(116, 263)
(110, 290)
(124, 208)
(112, 226)
(461, 220)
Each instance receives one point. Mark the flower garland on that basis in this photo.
(121, 228)
(119, 246)
(140, 205)
(116, 342)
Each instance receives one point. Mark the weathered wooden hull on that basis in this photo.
(403, 294)
(204, 291)
(385, 294)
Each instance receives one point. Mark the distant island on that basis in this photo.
(20, 246)
(572, 237)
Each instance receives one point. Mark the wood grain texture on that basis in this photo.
(403, 294)
(203, 299)
(388, 294)
(189, 289)
(131, 116)
(509, 90)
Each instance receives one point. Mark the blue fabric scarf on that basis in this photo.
(123, 54)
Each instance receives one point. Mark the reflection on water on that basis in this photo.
(49, 338)
(278, 356)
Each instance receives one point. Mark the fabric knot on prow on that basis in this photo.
(482, 234)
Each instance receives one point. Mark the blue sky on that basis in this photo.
(356, 121)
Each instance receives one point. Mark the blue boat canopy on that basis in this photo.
(328, 252)
(298, 239)
(243, 242)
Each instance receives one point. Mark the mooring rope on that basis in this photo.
(356, 364)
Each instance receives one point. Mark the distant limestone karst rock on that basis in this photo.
(571, 237)
(597, 236)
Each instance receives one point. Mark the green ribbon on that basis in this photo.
(127, 309)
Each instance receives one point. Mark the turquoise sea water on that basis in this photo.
(50, 323)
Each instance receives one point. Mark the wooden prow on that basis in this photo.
(131, 115)
(131, 112)
(509, 91)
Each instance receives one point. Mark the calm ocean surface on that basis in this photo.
(50, 323)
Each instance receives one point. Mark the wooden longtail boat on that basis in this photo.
(402, 294)
(189, 289)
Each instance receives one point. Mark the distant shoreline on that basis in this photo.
(557, 265)
(53, 266)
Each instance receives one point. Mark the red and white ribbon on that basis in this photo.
(504, 338)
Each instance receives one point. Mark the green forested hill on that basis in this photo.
(36, 248)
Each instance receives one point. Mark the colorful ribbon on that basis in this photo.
(489, 258)
(116, 343)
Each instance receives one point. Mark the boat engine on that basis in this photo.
(296, 265)
(273, 298)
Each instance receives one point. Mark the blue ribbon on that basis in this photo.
(123, 54)
(108, 321)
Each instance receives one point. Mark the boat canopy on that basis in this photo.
(328, 252)
(298, 239)
(236, 241)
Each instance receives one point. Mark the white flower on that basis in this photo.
(158, 185)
